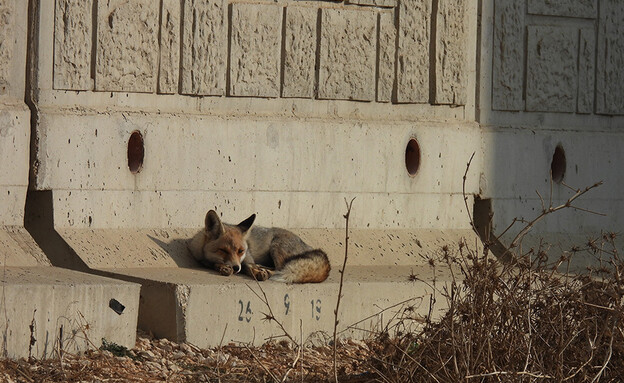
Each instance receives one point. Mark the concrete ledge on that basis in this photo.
(46, 309)
(201, 307)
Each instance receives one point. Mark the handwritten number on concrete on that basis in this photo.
(287, 303)
(316, 309)
(247, 311)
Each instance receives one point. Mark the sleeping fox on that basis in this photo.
(257, 251)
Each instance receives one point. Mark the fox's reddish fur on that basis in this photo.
(260, 252)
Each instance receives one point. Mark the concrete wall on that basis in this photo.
(14, 115)
(551, 75)
(278, 108)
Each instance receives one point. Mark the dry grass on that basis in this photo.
(518, 323)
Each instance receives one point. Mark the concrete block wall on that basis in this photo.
(280, 108)
(550, 76)
(44, 308)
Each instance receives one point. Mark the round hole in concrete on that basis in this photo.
(412, 157)
(558, 164)
(136, 152)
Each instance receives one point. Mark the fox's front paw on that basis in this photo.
(262, 274)
(225, 270)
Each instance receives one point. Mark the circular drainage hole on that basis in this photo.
(558, 164)
(136, 152)
(412, 157)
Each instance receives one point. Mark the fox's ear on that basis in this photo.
(246, 224)
(213, 224)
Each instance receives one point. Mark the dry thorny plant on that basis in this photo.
(520, 321)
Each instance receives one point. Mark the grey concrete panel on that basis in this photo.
(552, 73)
(610, 64)
(104, 249)
(586, 70)
(300, 52)
(508, 55)
(17, 246)
(347, 54)
(127, 46)
(192, 294)
(260, 158)
(6, 53)
(65, 307)
(73, 31)
(413, 51)
(14, 144)
(169, 68)
(387, 56)
(569, 8)
(450, 64)
(204, 47)
(255, 50)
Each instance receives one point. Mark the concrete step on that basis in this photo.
(203, 308)
(47, 309)
(184, 302)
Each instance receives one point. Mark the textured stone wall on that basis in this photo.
(547, 56)
(363, 50)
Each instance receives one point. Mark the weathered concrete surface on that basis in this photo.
(586, 71)
(73, 45)
(127, 46)
(189, 297)
(570, 8)
(258, 174)
(19, 249)
(347, 54)
(7, 15)
(68, 310)
(375, 3)
(178, 298)
(508, 55)
(14, 143)
(299, 51)
(610, 65)
(513, 188)
(105, 249)
(387, 57)
(552, 74)
(413, 51)
(450, 57)
(255, 47)
(204, 39)
(169, 68)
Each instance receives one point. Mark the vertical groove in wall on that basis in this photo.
(159, 37)
(596, 52)
(394, 99)
(377, 55)
(525, 64)
(181, 65)
(317, 59)
(432, 52)
(228, 63)
(94, 33)
(477, 88)
(282, 52)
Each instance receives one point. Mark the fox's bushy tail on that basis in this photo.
(311, 266)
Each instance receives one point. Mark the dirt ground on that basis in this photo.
(155, 360)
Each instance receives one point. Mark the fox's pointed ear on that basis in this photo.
(246, 224)
(213, 224)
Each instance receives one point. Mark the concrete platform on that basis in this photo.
(184, 302)
(201, 307)
(46, 309)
